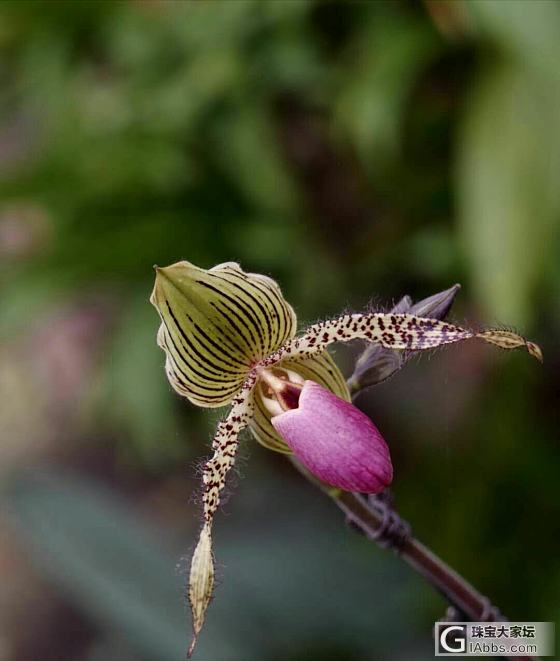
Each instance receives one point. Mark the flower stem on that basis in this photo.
(379, 522)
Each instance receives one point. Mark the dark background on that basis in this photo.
(353, 151)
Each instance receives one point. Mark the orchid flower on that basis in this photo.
(229, 338)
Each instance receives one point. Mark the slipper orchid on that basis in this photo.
(229, 338)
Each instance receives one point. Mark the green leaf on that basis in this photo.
(527, 31)
(110, 565)
(373, 100)
(132, 393)
(508, 169)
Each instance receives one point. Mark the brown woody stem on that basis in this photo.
(379, 522)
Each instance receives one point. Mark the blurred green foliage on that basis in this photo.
(355, 151)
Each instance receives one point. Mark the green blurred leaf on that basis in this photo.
(508, 169)
(528, 31)
(112, 566)
(386, 60)
(135, 395)
(109, 564)
(250, 152)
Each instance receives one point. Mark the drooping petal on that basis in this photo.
(201, 581)
(216, 325)
(321, 369)
(394, 331)
(224, 445)
(336, 441)
(510, 340)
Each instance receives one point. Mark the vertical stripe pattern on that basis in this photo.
(219, 326)
(215, 326)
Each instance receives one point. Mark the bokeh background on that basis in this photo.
(355, 151)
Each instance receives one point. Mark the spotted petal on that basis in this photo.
(216, 325)
(322, 370)
(394, 331)
(214, 474)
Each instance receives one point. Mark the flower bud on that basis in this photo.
(335, 441)
(436, 306)
(378, 363)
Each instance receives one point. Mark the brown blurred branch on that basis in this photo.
(378, 521)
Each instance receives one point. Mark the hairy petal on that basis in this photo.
(224, 445)
(216, 325)
(320, 368)
(378, 363)
(394, 331)
(201, 581)
(510, 340)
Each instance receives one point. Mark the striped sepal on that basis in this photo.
(323, 370)
(216, 325)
